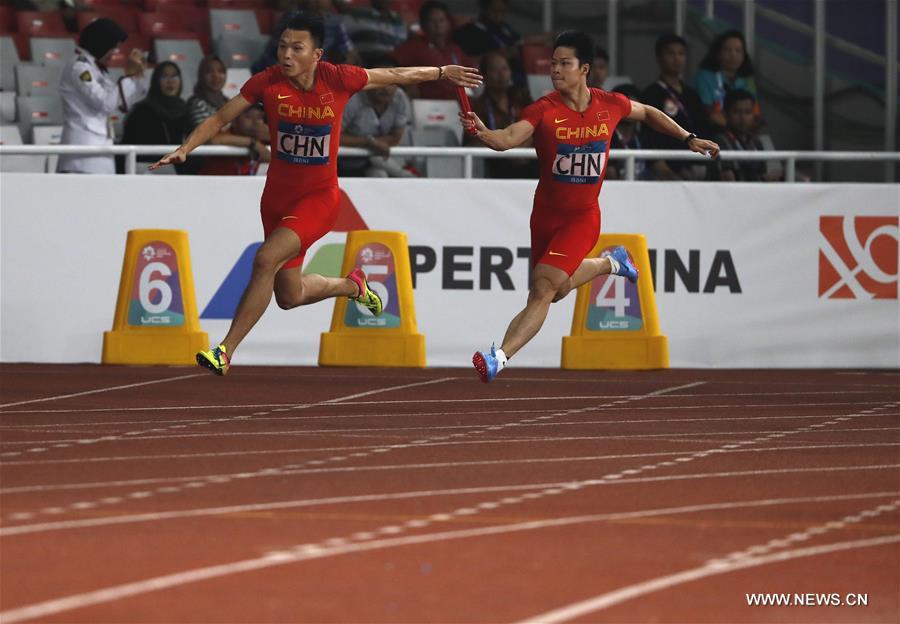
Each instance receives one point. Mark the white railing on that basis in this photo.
(468, 154)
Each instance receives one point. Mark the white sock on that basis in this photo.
(613, 265)
(501, 359)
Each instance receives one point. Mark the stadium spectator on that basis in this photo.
(599, 69)
(374, 30)
(337, 44)
(627, 136)
(490, 32)
(725, 67)
(740, 117)
(679, 101)
(162, 117)
(375, 119)
(433, 49)
(245, 125)
(499, 106)
(208, 98)
(89, 96)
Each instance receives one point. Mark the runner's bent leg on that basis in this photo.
(293, 288)
(586, 271)
(546, 280)
(279, 247)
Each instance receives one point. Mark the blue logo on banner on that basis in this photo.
(224, 303)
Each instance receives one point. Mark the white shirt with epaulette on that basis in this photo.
(89, 96)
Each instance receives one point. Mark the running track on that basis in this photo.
(135, 494)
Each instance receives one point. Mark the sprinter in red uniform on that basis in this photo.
(572, 128)
(304, 99)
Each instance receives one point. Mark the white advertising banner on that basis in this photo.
(746, 275)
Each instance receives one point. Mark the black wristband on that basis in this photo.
(440, 72)
(687, 140)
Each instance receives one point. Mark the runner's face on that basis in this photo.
(297, 52)
(565, 70)
(673, 59)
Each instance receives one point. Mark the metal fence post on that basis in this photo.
(790, 170)
(629, 167)
(467, 166)
(131, 162)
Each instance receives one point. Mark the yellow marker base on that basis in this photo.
(338, 349)
(125, 347)
(638, 353)
(156, 319)
(603, 339)
(357, 338)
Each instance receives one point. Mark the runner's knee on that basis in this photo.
(542, 289)
(266, 260)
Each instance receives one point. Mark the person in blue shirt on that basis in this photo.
(726, 67)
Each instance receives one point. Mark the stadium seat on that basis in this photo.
(236, 4)
(95, 5)
(10, 135)
(536, 59)
(37, 79)
(165, 5)
(265, 19)
(182, 51)
(162, 24)
(120, 56)
(240, 51)
(9, 57)
(438, 166)
(7, 19)
(227, 22)
(38, 110)
(41, 23)
(52, 50)
(48, 135)
(437, 114)
(539, 85)
(126, 17)
(235, 79)
(7, 107)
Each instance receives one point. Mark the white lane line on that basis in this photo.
(518, 440)
(609, 599)
(466, 430)
(99, 390)
(304, 552)
(258, 473)
(528, 460)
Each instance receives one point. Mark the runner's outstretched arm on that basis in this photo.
(206, 130)
(661, 122)
(457, 74)
(501, 139)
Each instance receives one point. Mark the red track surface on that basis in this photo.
(312, 495)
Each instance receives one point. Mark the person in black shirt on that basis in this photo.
(680, 102)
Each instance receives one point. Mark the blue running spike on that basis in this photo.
(486, 364)
(626, 268)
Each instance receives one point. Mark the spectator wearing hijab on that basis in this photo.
(89, 96)
(726, 67)
(162, 117)
(208, 98)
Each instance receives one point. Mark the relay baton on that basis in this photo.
(465, 106)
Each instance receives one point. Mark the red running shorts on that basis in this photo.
(311, 215)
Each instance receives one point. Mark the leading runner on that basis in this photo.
(572, 128)
(304, 99)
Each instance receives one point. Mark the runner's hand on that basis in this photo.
(702, 146)
(471, 120)
(462, 76)
(175, 158)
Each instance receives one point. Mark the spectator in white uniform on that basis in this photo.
(89, 95)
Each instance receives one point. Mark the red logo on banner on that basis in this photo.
(858, 257)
